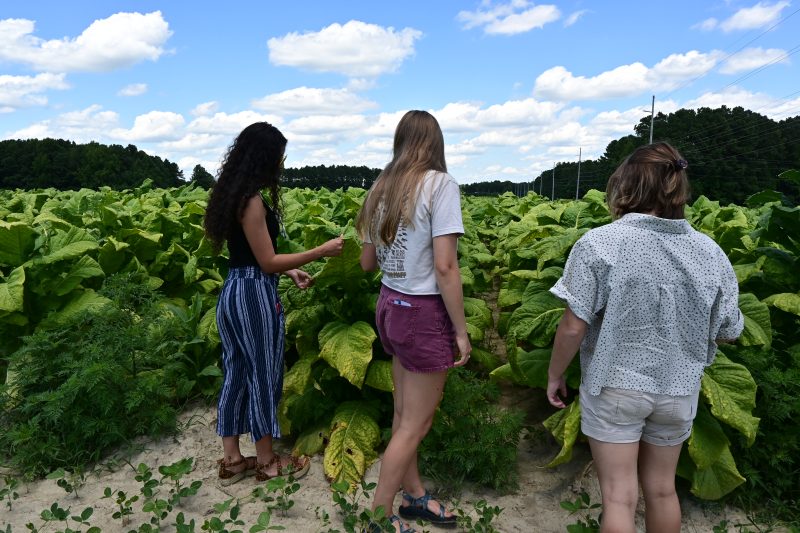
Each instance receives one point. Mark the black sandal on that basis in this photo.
(418, 508)
(374, 527)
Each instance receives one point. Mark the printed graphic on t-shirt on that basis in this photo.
(392, 258)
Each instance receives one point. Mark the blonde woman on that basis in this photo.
(410, 224)
(648, 299)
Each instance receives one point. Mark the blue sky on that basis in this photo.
(515, 85)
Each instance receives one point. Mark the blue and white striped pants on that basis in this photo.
(251, 326)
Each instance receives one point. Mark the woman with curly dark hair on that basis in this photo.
(249, 312)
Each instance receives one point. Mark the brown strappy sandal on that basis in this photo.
(298, 467)
(229, 477)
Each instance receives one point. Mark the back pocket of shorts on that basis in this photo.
(401, 324)
(619, 406)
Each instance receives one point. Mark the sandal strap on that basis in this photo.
(396, 519)
(422, 501)
(262, 468)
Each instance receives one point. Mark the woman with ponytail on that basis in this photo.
(648, 299)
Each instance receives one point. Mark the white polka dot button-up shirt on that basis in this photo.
(656, 295)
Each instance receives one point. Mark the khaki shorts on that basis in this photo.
(624, 416)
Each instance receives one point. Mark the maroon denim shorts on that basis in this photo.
(417, 330)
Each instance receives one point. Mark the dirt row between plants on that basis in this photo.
(533, 506)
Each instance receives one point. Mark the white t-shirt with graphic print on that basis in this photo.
(407, 264)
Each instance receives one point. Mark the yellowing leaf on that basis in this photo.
(565, 425)
(351, 449)
(731, 393)
(379, 375)
(348, 349)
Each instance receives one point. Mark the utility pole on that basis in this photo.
(652, 115)
(554, 182)
(578, 184)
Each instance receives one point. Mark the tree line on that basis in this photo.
(62, 164)
(732, 153)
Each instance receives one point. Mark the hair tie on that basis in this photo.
(680, 164)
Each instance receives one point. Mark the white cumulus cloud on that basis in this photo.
(760, 15)
(560, 84)
(134, 89)
(84, 125)
(517, 16)
(152, 126)
(753, 58)
(26, 91)
(355, 49)
(310, 101)
(230, 123)
(120, 40)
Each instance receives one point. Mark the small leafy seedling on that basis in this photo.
(582, 503)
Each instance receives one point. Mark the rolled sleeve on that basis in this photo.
(579, 286)
(730, 318)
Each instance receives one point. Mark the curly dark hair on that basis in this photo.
(253, 162)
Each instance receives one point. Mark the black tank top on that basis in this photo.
(241, 254)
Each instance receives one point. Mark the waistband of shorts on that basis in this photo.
(423, 297)
(250, 272)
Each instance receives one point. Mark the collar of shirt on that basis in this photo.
(653, 223)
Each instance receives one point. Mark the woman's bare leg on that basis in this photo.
(416, 400)
(657, 466)
(616, 470)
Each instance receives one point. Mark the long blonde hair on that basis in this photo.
(418, 148)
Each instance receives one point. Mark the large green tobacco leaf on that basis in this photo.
(348, 349)
(757, 325)
(530, 367)
(83, 268)
(479, 317)
(555, 247)
(306, 318)
(354, 436)
(207, 328)
(70, 244)
(485, 358)
(565, 426)
(731, 393)
(297, 378)
(707, 441)
(715, 474)
(87, 301)
(12, 291)
(787, 301)
(344, 270)
(16, 242)
(505, 373)
(112, 254)
(379, 375)
(536, 319)
(744, 272)
(520, 282)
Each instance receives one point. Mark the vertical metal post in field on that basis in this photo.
(578, 184)
(652, 114)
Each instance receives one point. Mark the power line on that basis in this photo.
(791, 52)
(745, 45)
